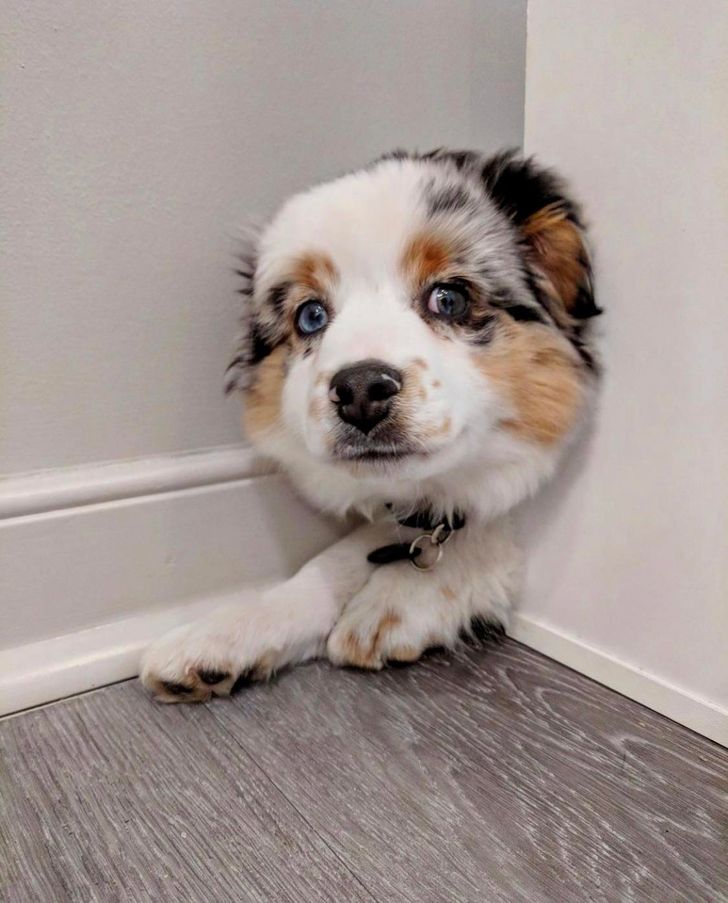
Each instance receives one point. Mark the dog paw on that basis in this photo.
(201, 660)
(389, 624)
(366, 642)
(401, 613)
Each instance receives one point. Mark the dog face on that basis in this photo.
(416, 330)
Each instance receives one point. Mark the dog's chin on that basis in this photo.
(376, 455)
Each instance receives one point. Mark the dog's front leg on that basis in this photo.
(401, 612)
(286, 624)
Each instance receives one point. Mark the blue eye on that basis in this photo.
(448, 301)
(311, 317)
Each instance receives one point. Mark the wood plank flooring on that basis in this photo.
(494, 775)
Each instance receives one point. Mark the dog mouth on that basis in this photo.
(375, 452)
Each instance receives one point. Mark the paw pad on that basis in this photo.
(211, 676)
(196, 685)
(175, 689)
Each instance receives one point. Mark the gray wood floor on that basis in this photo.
(493, 776)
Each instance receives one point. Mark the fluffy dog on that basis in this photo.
(415, 350)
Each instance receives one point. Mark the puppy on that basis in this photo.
(415, 351)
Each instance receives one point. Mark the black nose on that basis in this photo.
(363, 393)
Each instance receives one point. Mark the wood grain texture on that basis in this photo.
(496, 775)
(107, 797)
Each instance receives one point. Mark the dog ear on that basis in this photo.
(553, 235)
(252, 344)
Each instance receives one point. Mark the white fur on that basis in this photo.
(363, 223)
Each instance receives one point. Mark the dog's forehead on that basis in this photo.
(361, 221)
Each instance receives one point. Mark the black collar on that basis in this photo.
(424, 520)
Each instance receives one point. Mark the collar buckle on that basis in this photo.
(437, 538)
(425, 550)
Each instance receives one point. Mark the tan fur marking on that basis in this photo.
(263, 398)
(539, 377)
(353, 651)
(448, 593)
(412, 387)
(361, 656)
(558, 250)
(314, 271)
(264, 667)
(436, 384)
(436, 432)
(444, 427)
(421, 362)
(425, 256)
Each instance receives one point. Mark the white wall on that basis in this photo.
(629, 550)
(138, 135)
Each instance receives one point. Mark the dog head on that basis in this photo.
(416, 330)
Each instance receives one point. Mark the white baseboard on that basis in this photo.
(52, 669)
(97, 560)
(672, 701)
(72, 487)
